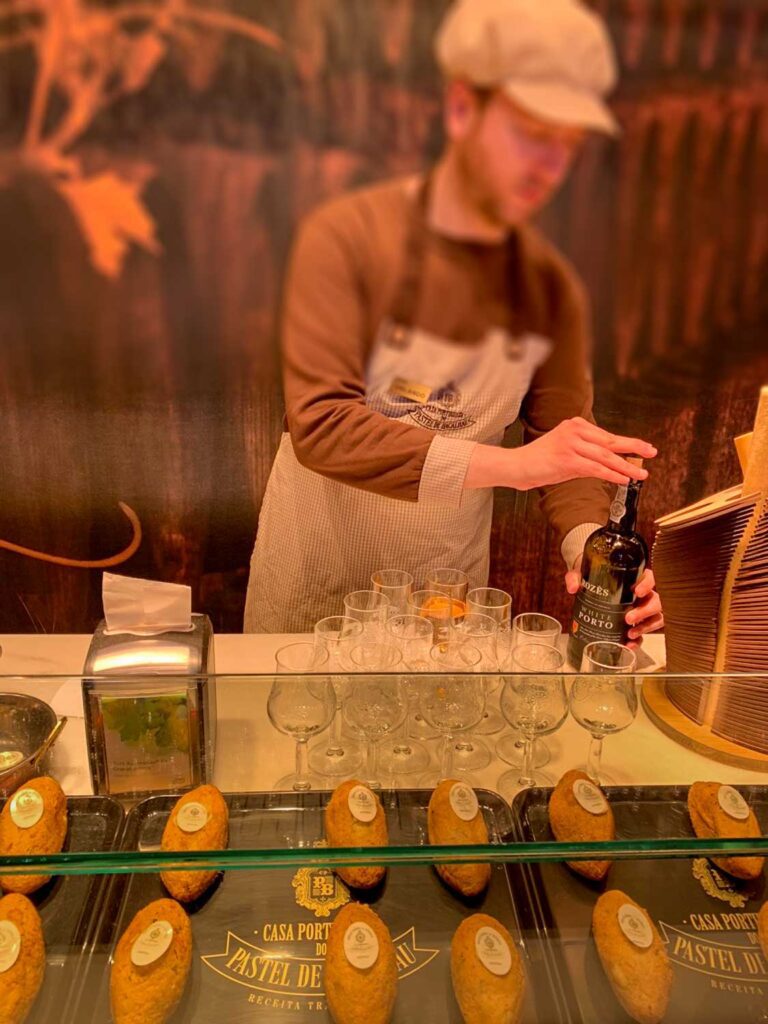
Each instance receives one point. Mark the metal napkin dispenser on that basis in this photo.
(150, 711)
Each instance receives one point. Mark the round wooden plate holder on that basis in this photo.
(699, 738)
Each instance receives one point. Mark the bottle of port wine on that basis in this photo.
(615, 557)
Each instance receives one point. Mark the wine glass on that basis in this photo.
(371, 608)
(535, 703)
(375, 706)
(412, 636)
(605, 700)
(452, 582)
(438, 609)
(452, 700)
(533, 628)
(493, 602)
(337, 635)
(300, 705)
(471, 753)
(396, 585)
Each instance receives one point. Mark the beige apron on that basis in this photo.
(319, 539)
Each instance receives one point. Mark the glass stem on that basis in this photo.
(526, 774)
(371, 763)
(401, 746)
(594, 757)
(302, 767)
(335, 748)
(446, 767)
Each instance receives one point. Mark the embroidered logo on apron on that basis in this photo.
(442, 411)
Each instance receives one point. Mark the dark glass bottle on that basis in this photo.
(615, 557)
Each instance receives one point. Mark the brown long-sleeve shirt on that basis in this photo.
(344, 272)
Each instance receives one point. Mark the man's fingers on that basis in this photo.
(647, 626)
(650, 605)
(617, 442)
(572, 581)
(604, 457)
(587, 468)
(645, 584)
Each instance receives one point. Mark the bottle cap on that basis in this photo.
(635, 460)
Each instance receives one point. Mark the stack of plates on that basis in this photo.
(711, 566)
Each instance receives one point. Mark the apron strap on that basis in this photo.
(404, 307)
(402, 312)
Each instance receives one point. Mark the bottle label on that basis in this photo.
(362, 803)
(10, 945)
(733, 803)
(464, 801)
(635, 926)
(361, 947)
(619, 505)
(152, 943)
(192, 817)
(590, 797)
(27, 808)
(597, 617)
(492, 951)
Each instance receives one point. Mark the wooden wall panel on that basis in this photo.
(152, 171)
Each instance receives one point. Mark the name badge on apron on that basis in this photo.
(402, 388)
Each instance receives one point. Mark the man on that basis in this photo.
(422, 317)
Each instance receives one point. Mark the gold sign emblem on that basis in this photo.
(319, 890)
(716, 885)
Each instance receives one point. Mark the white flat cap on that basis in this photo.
(553, 57)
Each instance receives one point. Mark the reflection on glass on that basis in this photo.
(437, 609)
(533, 628)
(371, 609)
(471, 753)
(452, 701)
(396, 585)
(535, 704)
(301, 705)
(375, 707)
(493, 602)
(605, 701)
(452, 583)
(337, 635)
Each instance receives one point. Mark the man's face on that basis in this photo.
(511, 162)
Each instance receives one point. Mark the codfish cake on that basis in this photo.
(354, 817)
(487, 972)
(32, 822)
(198, 821)
(633, 956)
(706, 805)
(360, 968)
(22, 946)
(762, 929)
(151, 964)
(454, 818)
(579, 813)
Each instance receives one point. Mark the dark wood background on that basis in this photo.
(156, 382)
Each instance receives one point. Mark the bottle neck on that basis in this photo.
(623, 514)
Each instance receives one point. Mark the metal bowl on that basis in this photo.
(25, 725)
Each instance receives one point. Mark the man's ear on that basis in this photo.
(461, 108)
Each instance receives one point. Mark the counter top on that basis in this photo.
(252, 755)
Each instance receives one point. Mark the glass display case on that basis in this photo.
(639, 897)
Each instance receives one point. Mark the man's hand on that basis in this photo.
(575, 449)
(645, 617)
(572, 450)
